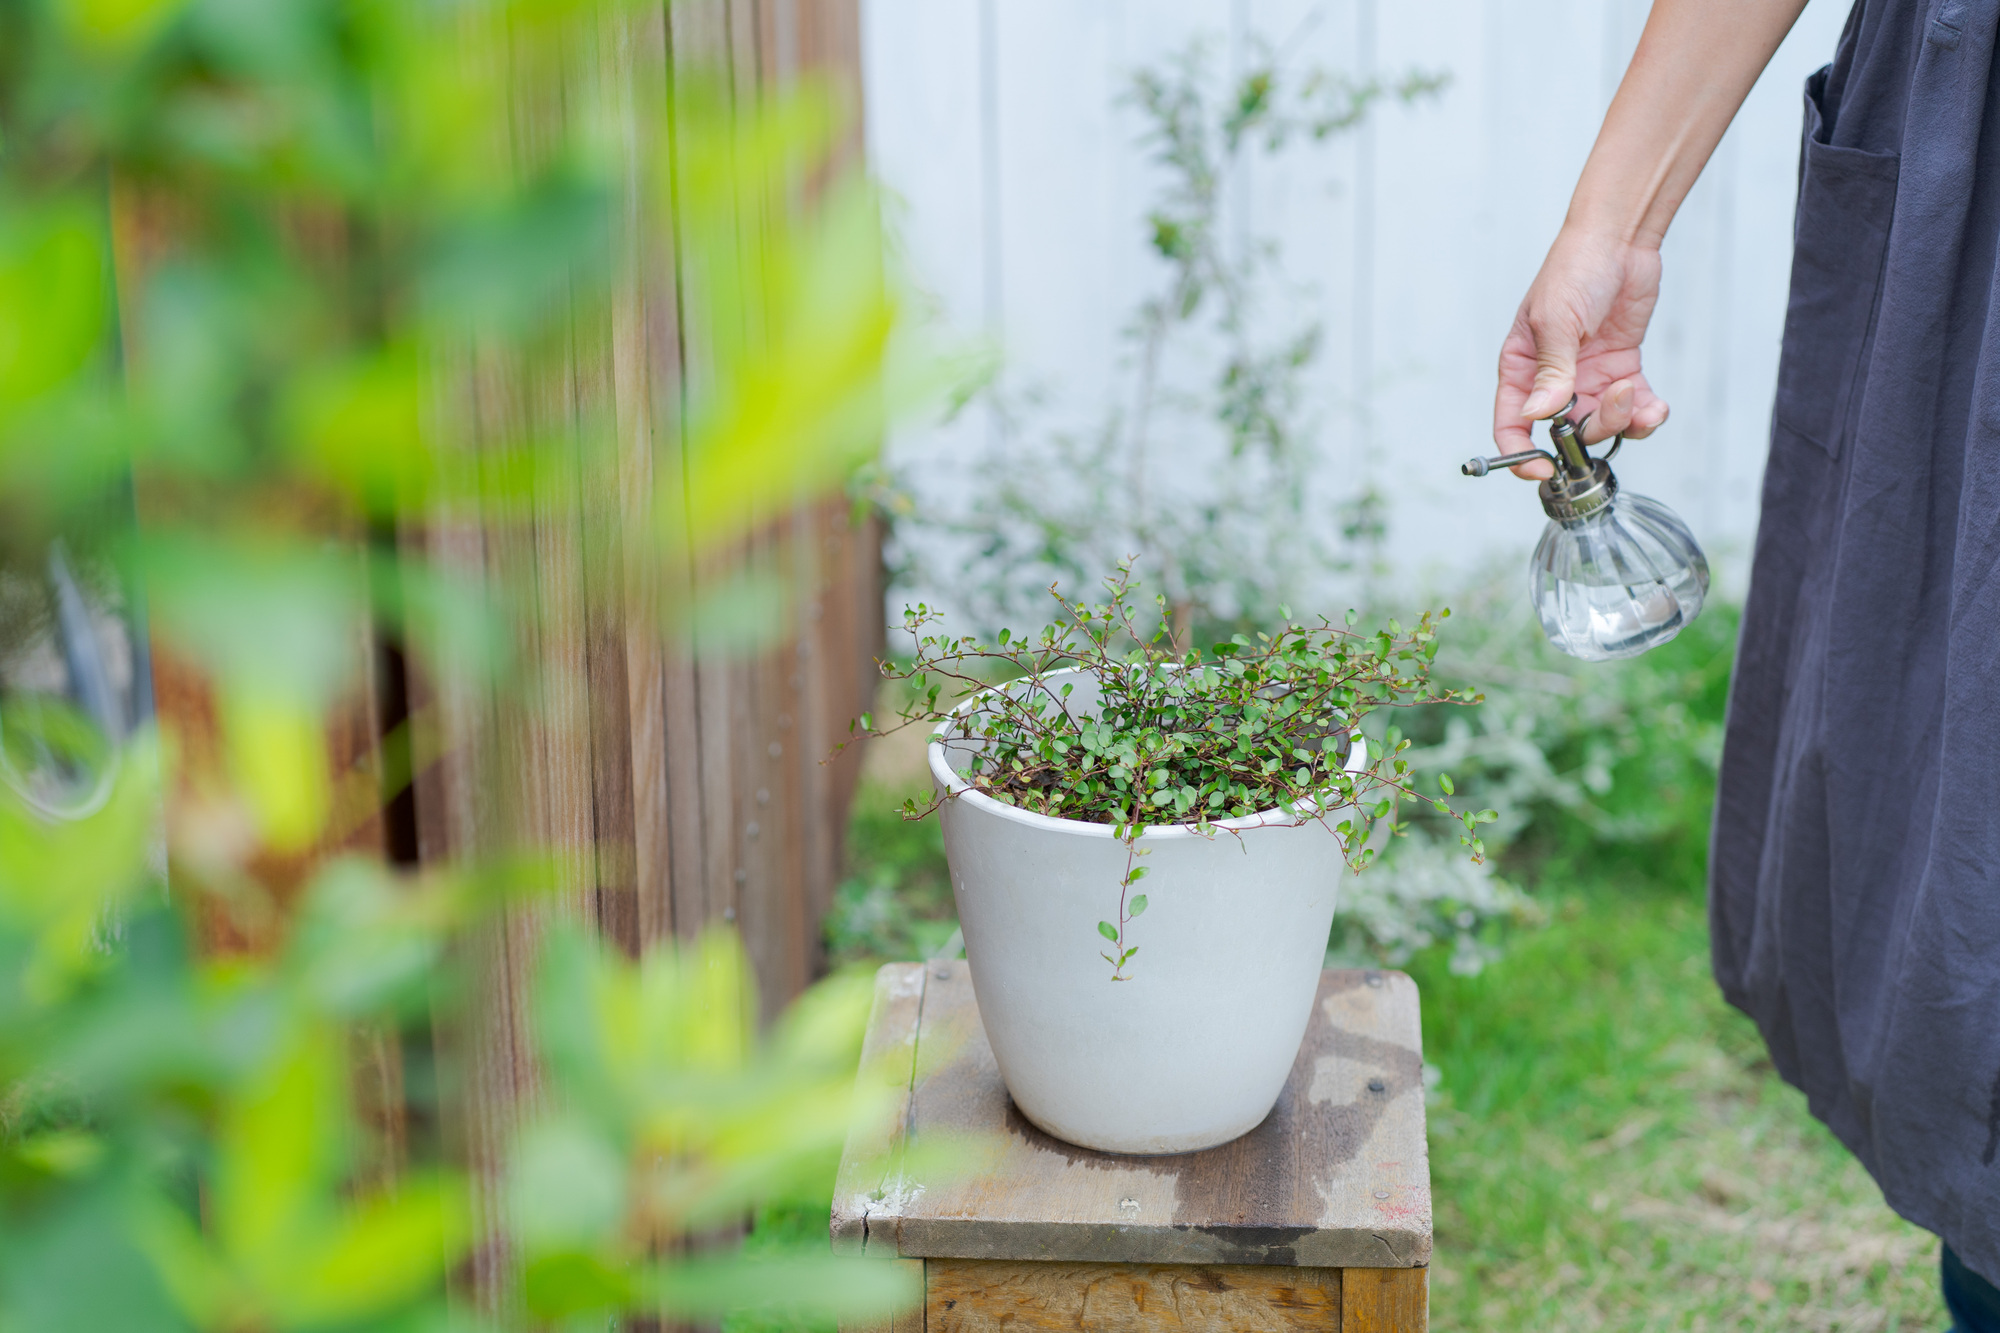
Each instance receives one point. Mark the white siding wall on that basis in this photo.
(1022, 189)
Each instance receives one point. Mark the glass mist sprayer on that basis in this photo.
(1613, 574)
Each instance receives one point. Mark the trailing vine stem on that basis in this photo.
(1175, 735)
(1133, 874)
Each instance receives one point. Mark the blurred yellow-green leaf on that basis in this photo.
(277, 756)
(381, 1251)
(823, 1284)
(51, 298)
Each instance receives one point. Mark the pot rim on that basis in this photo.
(958, 789)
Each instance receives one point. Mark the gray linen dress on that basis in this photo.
(1855, 871)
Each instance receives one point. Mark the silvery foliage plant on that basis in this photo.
(1609, 758)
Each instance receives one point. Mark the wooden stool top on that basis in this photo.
(1337, 1176)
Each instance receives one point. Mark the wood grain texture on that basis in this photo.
(1337, 1176)
(633, 58)
(988, 1295)
(1385, 1300)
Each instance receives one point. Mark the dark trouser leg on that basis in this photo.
(1973, 1301)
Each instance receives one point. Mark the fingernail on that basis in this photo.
(1538, 404)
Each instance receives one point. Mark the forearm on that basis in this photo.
(1695, 63)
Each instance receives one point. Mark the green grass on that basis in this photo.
(1610, 1149)
(894, 903)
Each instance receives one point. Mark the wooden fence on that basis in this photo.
(678, 786)
(674, 784)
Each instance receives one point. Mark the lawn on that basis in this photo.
(1610, 1148)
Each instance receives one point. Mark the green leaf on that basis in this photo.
(573, 1282)
(278, 1144)
(62, 1152)
(1108, 931)
(1444, 783)
(567, 1185)
(52, 298)
(388, 1249)
(1138, 906)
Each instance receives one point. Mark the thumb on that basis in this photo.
(1555, 371)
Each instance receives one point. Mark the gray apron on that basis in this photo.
(1855, 870)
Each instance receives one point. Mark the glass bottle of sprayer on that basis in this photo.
(1613, 574)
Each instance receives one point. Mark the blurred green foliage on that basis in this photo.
(178, 1144)
(307, 277)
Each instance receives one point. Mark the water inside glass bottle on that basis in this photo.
(1618, 583)
(1597, 623)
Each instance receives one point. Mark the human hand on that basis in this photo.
(1578, 331)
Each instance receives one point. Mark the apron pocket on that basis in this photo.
(1847, 198)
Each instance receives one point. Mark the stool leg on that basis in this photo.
(1385, 1300)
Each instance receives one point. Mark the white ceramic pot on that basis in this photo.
(1193, 1050)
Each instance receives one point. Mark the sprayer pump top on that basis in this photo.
(1581, 486)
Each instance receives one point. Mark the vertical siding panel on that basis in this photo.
(636, 66)
(683, 760)
(701, 44)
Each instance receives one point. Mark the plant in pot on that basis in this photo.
(1146, 844)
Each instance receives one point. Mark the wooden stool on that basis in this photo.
(1319, 1218)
